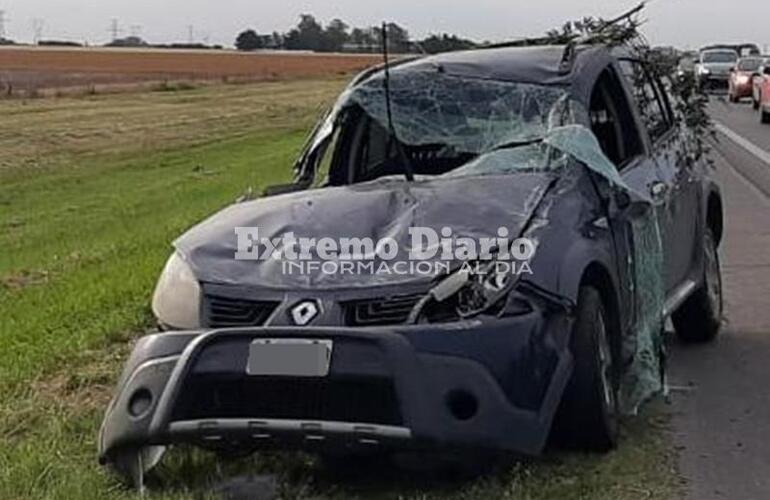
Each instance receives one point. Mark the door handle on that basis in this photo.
(658, 189)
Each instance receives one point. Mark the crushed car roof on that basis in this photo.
(540, 64)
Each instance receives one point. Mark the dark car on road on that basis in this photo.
(552, 148)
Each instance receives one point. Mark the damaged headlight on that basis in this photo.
(177, 299)
(488, 284)
(475, 288)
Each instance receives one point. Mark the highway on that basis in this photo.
(721, 391)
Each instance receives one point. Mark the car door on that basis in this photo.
(673, 187)
(613, 122)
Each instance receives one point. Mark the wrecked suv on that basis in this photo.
(572, 149)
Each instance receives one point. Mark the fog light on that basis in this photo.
(140, 403)
(462, 404)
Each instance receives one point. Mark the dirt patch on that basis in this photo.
(88, 387)
(24, 279)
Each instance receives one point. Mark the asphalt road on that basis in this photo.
(721, 391)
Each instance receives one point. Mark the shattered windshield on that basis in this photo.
(444, 125)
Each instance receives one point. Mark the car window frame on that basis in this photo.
(661, 97)
(617, 79)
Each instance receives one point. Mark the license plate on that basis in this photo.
(290, 357)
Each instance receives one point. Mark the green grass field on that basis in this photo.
(92, 192)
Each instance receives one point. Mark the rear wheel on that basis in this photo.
(589, 415)
(700, 317)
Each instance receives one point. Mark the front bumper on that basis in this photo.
(493, 384)
(743, 89)
(714, 81)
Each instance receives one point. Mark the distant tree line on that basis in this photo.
(138, 42)
(338, 36)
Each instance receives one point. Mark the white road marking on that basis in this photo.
(743, 142)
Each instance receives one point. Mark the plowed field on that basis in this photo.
(25, 70)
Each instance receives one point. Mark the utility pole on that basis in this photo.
(114, 29)
(135, 30)
(3, 20)
(38, 25)
(190, 34)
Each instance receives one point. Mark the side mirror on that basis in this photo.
(732, 69)
(627, 205)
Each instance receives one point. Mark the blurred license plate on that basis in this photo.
(290, 357)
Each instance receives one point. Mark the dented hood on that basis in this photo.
(473, 207)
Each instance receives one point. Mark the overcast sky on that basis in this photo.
(685, 23)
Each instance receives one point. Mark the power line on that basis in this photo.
(38, 25)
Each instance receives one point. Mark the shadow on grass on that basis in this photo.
(641, 468)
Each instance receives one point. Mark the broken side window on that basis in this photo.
(612, 121)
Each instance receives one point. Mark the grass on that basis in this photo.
(92, 192)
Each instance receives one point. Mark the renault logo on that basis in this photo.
(304, 312)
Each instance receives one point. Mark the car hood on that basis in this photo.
(473, 207)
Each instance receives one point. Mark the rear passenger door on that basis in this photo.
(675, 190)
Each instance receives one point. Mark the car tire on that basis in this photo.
(589, 415)
(699, 319)
(764, 116)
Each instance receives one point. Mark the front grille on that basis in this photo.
(223, 312)
(369, 400)
(381, 311)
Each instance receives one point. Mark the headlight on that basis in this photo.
(704, 71)
(177, 299)
(475, 287)
(743, 79)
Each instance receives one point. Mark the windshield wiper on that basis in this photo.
(517, 144)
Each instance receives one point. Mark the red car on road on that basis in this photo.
(762, 92)
(757, 81)
(740, 83)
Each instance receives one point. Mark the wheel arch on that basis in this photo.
(598, 276)
(586, 264)
(715, 216)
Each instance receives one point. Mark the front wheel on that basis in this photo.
(699, 319)
(589, 416)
